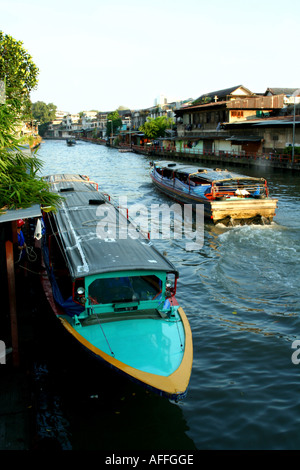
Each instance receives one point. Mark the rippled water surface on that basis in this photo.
(240, 291)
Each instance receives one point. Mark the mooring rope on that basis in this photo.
(98, 319)
(31, 254)
(180, 338)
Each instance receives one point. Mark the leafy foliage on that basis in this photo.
(43, 112)
(202, 100)
(115, 124)
(156, 127)
(289, 150)
(19, 185)
(17, 71)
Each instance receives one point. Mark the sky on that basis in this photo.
(99, 55)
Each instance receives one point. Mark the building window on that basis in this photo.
(237, 113)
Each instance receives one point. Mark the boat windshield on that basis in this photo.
(124, 289)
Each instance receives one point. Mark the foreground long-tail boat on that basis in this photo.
(114, 295)
(228, 197)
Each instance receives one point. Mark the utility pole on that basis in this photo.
(111, 135)
(296, 93)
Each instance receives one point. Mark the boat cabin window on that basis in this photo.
(183, 177)
(165, 172)
(124, 289)
(192, 180)
(195, 180)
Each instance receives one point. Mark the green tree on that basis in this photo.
(43, 112)
(18, 72)
(156, 127)
(114, 123)
(19, 184)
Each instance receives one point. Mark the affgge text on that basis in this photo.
(184, 459)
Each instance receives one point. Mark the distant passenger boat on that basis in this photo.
(228, 197)
(71, 142)
(115, 295)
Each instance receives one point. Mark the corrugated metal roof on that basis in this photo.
(200, 106)
(222, 93)
(278, 91)
(86, 223)
(28, 213)
(244, 138)
(208, 173)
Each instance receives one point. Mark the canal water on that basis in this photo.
(240, 291)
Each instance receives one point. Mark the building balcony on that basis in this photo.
(201, 131)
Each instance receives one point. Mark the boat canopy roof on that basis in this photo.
(207, 173)
(86, 253)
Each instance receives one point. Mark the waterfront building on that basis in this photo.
(59, 115)
(233, 120)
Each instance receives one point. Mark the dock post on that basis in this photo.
(12, 301)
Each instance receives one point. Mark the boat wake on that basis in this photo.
(246, 254)
(257, 221)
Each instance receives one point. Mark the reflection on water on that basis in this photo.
(240, 293)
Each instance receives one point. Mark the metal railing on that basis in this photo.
(274, 157)
(271, 156)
